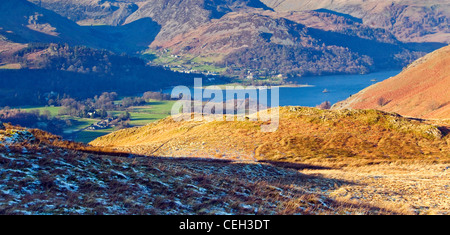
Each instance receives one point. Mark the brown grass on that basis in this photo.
(371, 161)
(420, 91)
(305, 135)
(318, 162)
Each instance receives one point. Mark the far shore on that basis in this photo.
(241, 86)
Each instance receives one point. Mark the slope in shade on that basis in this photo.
(24, 22)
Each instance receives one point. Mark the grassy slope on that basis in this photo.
(108, 183)
(305, 135)
(421, 90)
(384, 160)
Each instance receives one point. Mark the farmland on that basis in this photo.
(78, 128)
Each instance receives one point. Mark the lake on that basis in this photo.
(339, 88)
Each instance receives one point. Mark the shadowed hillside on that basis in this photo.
(25, 22)
(43, 175)
(37, 69)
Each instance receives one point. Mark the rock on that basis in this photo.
(2, 127)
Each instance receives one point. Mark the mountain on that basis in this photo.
(421, 90)
(92, 12)
(297, 44)
(182, 16)
(25, 22)
(175, 16)
(252, 40)
(240, 37)
(408, 20)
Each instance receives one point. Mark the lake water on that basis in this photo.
(339, 88)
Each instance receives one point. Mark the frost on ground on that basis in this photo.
(41, 175)
(46, 179)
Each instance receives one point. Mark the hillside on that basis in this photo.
(408, 20)
(384, 159)
(30, 72)
(89, 12)
(22, 21)
(421, 90)
(266, 42)
(52, 176)
(83, 69)
(305, 135)
(238, 37)
(25, 22)
(42, 175)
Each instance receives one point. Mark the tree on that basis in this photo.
(102, 113)
(382, 101)
(324, 105)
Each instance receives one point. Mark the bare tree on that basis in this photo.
(324, 105)
(382, 101)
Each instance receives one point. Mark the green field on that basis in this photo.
(87, 136)
(156, 107)
(186, 61)
(139, 116)
(80, 123)
(53, 110)
(142, 119)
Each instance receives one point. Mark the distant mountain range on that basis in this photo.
(408, 20)
(265, 38)
(421, 90)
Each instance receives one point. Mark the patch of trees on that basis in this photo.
(79, 72)
(79, 59)
(300, 61)
(152, 95)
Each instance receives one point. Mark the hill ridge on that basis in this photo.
(304, 134)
